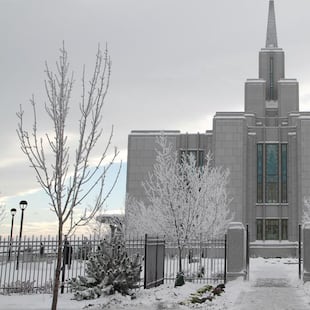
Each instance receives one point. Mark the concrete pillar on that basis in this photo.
(306, 252)
(236, 251)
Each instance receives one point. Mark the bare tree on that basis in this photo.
(69, 179)
(2, 212)
(182, 200)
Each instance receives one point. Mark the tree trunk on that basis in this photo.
(58, 268)
(180, 259)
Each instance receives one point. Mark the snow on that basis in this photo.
(273, 284)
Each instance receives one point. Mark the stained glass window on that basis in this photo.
(272, 173)
(259, 173)
(284, 173)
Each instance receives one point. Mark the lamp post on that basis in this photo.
(13, 212)
(23, 205)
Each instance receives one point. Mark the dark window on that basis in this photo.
(259, 229)
(284, 234)
(272, 229)
(201, 158)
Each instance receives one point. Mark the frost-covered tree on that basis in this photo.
(306, 211)
(66, 172)
(106, 225)
(98, 229)
(182, 199)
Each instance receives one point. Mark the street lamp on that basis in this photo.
(23, 205)
(13, 212)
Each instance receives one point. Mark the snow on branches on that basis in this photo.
(183, 199)
(306, 211)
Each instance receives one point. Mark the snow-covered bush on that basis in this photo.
(108, 270)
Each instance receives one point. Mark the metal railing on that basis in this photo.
(37, 261)
(202, 261)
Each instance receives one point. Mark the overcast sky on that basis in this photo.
(175, 63)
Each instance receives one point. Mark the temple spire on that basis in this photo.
(271, 39)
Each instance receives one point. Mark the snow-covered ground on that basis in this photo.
(273, 284)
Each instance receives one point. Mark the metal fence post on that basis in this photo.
(247, 253)
(63, 269)
(225, 259)
(156, 257)
(145, 258)
(299, 251)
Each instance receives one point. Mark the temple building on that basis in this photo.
(266, 148)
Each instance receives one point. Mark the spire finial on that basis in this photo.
(271, 40)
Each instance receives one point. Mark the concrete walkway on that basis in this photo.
(273, 287)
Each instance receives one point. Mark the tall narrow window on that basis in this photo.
(182, 155)
(201, 158)
(284, 234)
(272, 173)
(259, 229)
(284, 173)
(271, 82)
(259, 173)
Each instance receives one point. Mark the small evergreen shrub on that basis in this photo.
(179, 281)
(108, 270)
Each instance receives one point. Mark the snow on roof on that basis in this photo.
(154, 132)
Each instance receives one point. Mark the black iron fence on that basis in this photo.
(202, 261)
(300, 252)
(37, 261)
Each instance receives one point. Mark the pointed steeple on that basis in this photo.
(271, 39)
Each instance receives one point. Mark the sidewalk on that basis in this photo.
(274, 285)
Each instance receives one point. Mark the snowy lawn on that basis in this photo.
(167, 297)
(163, 297)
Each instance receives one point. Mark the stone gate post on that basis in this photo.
(236, 251)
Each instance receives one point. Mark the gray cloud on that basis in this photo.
(175, 63)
